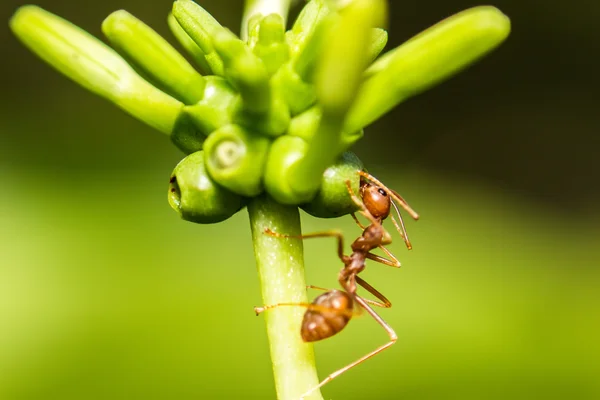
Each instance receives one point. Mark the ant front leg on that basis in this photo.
(334, 233)
(360, 225)
(308, 306)
(385, 303)
(394, 262)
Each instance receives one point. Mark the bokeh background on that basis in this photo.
(106, 294)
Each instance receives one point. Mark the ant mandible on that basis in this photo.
(330, 312)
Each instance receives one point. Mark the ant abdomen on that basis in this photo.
(333, 311)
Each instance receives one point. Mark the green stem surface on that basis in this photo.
(280, 265)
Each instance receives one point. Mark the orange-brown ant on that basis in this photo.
(330, 312)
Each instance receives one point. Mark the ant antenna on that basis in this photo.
(401, 231)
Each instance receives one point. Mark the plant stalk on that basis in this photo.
(280, 265)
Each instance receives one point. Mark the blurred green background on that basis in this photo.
(106, 294)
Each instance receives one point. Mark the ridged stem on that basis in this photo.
(280, 266)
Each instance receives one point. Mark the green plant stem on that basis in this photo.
(280, 265)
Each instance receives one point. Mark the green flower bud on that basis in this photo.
(235, 158)
(246, 72)
(186, 134)
(307, 57)
(253, 30)
(306, 125)
(284, 156)
(379, 38)
(305, 25)
(297, 94)
(333, 199)
(197, 121)
(216, 107)
(425, 60)
(344, 57)
(271, 47)
(95, 66)
(202, 28)
(189, 45)
(257, 8)
(194, 195)
(272, 123)
(154, 55)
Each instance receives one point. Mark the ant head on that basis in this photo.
(376, 199)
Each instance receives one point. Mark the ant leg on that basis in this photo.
(372, 302)
(334, 233)
(360, 225)
(394, 262)
(308, 306)
(318, 288)
(380, 321)
(385, 303)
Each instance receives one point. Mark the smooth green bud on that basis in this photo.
(425, 60)
(297, 94)
(186, 134)
(345, 54)
(95, 66)
(154, 56)
(306, 125)
(305, 25)
(246, 72)
(197, 121)
(333, 199)
(285, 154)
(272, 123)
(304, 177)
(254, 8)
(235, 158)
(189, 45)
(196, 197)
(216, 107)
(307, 57)
(271, 47)
(379, 38)
(202, 28)
(253, 29)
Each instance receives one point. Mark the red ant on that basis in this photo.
(330, 312)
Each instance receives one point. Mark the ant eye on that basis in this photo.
(382, 192)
